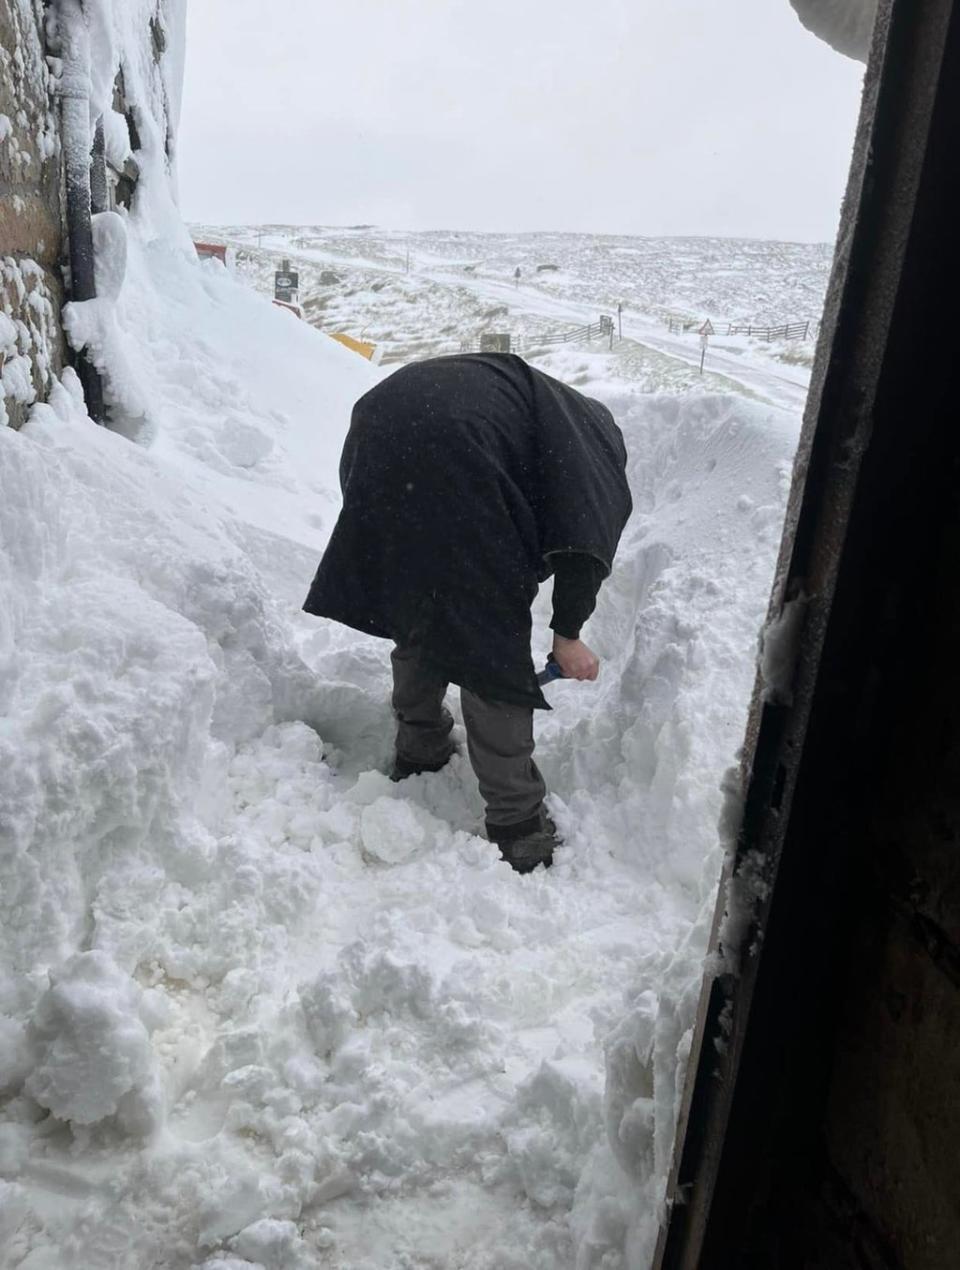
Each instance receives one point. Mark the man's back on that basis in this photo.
(460, 476)
(466, 481)
(433, 413)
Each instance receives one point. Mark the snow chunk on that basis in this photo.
(392, 831)
(846, 25)
(328, 1015)
(242, 444)
(234, 1206)
(559, 1110)
(276, 1245)
(8, 336)
(91, 1047)
(17, 381)
(746, 890)
(14, 1055)
(229, 1263)
(779, 649)
(116, 138)
(17, 1222)
(109, 253)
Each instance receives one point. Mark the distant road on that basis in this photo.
(781, 385)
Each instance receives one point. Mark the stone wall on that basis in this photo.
(31, 291)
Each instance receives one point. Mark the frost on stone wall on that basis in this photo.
(29, 214)
(28, 129)
(29, 334)
(134, 49)
(80, 54)
(127, 53)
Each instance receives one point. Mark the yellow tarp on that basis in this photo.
(358, 346)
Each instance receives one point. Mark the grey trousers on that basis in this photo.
(499, 739)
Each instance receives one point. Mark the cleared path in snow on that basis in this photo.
(305, 1017)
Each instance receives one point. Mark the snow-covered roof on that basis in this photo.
(845, 24)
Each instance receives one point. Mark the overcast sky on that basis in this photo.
(615, 116)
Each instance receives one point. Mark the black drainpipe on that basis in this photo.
(75, 131)
(99, 196)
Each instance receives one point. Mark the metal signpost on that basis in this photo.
(705, 332)
(286, 284)
(495, 342)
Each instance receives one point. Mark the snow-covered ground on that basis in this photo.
(416, 294)
(262, 1007)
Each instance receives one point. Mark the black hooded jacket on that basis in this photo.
(461, 476)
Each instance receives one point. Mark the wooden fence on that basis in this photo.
(789, 330)
(593, 330)
(602, 329)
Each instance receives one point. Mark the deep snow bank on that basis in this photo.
(259, 1006)
(641, 767)
(284, 996)
(135, 628)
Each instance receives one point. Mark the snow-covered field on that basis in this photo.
(419, 294)
(259, 1007)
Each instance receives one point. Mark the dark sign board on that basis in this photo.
(494, 342)
(285, 283)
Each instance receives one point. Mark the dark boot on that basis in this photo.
(424, 724)
(527, 844)
(404, 767)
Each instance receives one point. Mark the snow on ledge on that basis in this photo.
(846, 25)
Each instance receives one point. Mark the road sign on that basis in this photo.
(495, 342)
(286, 283)
(705, 332)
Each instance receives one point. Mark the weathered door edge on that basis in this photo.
(899, 97)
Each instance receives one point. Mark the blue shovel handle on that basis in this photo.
(550, 672)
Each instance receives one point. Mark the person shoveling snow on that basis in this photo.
(467, 481)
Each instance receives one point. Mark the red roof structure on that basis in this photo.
(217, 250)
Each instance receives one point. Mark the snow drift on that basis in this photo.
(258, 1005)
(243, 931)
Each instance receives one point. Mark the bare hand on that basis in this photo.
(575, 659)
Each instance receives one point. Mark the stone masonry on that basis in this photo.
(31, 289)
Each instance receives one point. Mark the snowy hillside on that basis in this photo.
(724, 279)
(417, 294)
(260, 1007)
